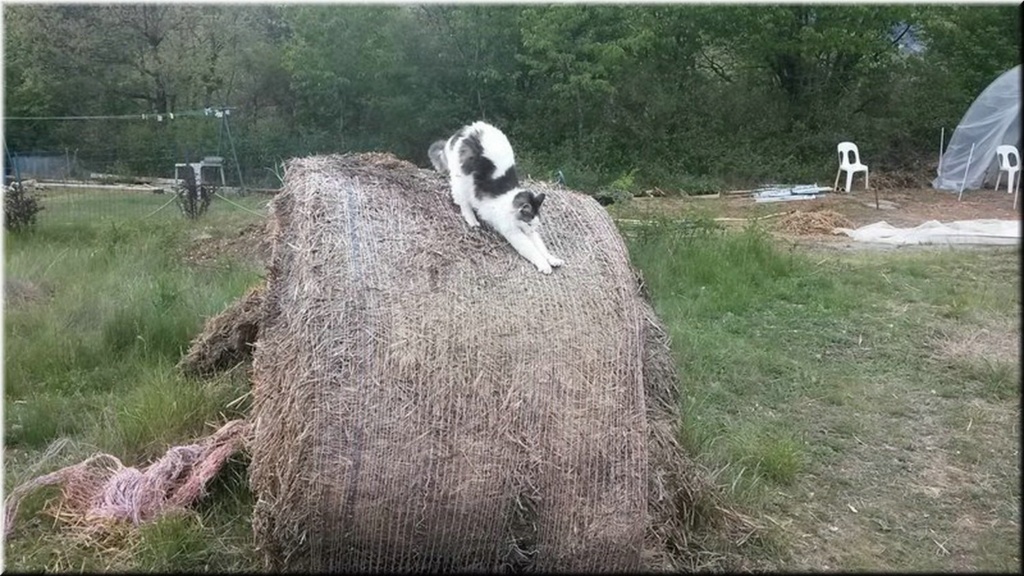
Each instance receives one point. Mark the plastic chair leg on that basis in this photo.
(836, 185)
(866, 185)
(849, 181)
(999, 177)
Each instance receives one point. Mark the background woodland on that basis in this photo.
(686, 98)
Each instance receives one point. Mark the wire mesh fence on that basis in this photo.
(137, 148)
(76, 204)
(75, 188)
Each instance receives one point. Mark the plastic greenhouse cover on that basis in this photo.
(992, 120)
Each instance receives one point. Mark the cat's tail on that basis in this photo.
(437, 156)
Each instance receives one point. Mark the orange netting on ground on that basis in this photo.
(102, 490)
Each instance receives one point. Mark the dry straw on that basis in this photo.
(424, 399)
(811, 223)
(227, 338)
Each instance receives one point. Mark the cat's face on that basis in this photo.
(527, 206)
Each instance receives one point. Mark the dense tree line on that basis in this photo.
(684, 97)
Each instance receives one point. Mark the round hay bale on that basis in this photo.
(424, 399)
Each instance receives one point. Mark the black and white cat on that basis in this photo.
(479, 160)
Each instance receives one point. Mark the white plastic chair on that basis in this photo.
(849, 160)
(1009, 162)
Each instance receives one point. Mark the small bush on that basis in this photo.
(20, 208)
(611, 196)
(626, 182)
(620, 190)
(193, 197)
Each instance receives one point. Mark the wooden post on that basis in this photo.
(966, 171)
(942, 142)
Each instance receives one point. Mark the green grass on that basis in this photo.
(837, 375)
(862, 407)
(90, 366)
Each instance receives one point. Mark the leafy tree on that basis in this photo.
(616, 96)
(470, 65)
(972, 44)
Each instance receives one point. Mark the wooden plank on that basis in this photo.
(754, 219)
(719, 219)
(122, 187)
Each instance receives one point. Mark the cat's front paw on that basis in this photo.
(544, 268)
(470, 218)
(555, 261)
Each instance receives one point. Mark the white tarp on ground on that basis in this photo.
(995, 232)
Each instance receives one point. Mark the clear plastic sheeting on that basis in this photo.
(784, 192)
(992, 120)
(978, 232)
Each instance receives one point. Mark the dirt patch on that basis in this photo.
(917, 206)
(900, 207)
(250, 244)
(910, 207)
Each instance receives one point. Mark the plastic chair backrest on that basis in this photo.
(848, 154)
(1005, 153)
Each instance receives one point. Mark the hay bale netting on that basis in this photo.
(424, 399)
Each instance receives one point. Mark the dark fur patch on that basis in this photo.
(471, 152)
(527, 205)
(473, 161)
(489, 186)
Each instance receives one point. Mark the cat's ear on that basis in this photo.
(538, 199)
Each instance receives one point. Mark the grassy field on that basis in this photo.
(861, 407)
(99, 306)
(864, 406)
